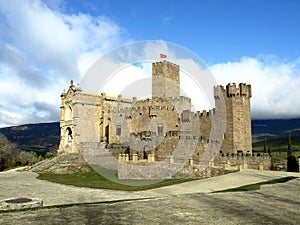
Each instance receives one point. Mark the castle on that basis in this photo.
(163, 126)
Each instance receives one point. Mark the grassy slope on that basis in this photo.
(94, 180)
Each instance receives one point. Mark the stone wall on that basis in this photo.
(163, 125)
(248, 161)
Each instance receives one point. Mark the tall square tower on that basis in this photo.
(165, 79)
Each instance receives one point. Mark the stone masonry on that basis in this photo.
(159, 127)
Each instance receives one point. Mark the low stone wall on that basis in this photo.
(194, 171)
(222, 164)
(247, 161)
(146, 170)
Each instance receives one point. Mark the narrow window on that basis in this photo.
(118, 130)
(160, 130)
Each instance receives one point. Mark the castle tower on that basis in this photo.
(66, 120)
(165, 80)
(237, 137)
(78, 123)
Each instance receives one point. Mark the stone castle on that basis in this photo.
(158, 128)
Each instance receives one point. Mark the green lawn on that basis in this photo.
(255, 187)
(94, 180)
(277, 145)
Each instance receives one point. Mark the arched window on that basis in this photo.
(69, 133)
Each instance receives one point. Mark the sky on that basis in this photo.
(45, 44)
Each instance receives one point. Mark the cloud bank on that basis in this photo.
(275, 84)
(41, 49)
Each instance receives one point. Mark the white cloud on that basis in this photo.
(196, 80)
(128, 80)
(41, 49)
(275, 84)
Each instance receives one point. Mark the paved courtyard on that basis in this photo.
(187, 203)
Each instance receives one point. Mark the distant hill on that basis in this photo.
(40, 137)
(274, 129)
(44, 137)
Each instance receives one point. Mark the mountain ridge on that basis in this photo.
(44, 137)
(40, 137)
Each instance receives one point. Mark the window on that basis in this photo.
(118, 130)
(160, 130)
(70, 137)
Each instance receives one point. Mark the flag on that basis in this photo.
(162, 56)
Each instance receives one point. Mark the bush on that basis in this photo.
(27, 158)
(50, 155)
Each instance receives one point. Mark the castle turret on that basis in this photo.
(237, 137)
(165, 79)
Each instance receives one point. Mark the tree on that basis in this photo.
(290, 151)
(40, 158)
(8, 153)
(10, 156)
(292, 164)
(27, 158)
(272, 159)
(265, 145)
(49, 155)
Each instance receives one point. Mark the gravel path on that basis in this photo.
(25, 184)
(187, 203)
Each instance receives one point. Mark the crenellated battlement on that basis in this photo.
(232, 90)
(118, 98)
(242, 90)
(165, 63)
(206, 113)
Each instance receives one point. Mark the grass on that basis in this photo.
(279, 150)
(93, 179)
(255, 187)
(278, 145)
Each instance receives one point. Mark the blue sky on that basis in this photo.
(217, 31)
(45, 44)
